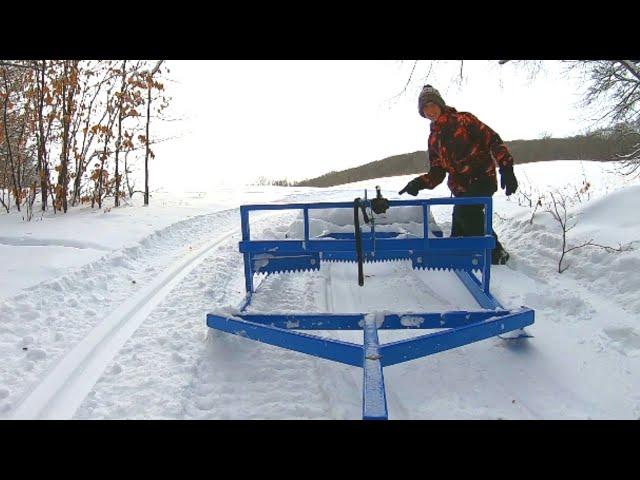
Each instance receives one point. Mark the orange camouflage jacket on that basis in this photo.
(465, 148)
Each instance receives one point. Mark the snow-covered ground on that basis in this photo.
(102, 314)
(49, 245)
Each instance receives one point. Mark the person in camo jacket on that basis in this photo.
(468, 150)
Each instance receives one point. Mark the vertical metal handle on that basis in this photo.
(356, 222)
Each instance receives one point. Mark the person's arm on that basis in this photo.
(429, 180)
(436, 173)
(492, 141)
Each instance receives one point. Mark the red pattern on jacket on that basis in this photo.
(462, 146)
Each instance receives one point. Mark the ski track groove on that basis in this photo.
(68, 308)
(203, 373)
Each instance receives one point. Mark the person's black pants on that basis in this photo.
(468, 221)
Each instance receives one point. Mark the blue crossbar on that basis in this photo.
(460, 328)
(465, 255)
(335, 350)
(429, 251)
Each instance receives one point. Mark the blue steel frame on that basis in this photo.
(464, 255)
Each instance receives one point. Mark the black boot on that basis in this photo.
(499, 256)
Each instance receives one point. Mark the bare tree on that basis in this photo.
(100, 175)
(84, 113)
(14, 125)
(150, 84)
(613, 89)
(628, 135)
(43, 171)
(558, 210)
(119, 137)
(69, 88)
(86, 118)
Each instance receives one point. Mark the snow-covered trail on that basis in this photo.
(200, 373)
(60, 393)
(175, 367)
(77, 322)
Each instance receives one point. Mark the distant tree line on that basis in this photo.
(265, 181)
(604, 145)
(71, 130)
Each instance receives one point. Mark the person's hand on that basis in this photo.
(413, 187)
(508, 180)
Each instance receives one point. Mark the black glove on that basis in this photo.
(508, 180)
(413, 187)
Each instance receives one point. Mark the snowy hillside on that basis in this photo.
(102, 314)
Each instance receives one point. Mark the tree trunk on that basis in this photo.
(6, 205)
(147, 150)
(119, 139)
(101, 177)
(16, 186)
(130, 188)
(64, 157)
(146, 155)
(42, 167)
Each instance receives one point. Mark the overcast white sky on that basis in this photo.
(300, 119)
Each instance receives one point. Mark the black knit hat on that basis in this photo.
(429, 94)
